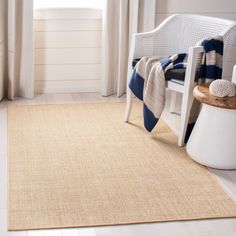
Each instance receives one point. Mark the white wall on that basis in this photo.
(67, 50)
(218, 8)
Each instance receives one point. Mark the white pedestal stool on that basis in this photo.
(213, 139)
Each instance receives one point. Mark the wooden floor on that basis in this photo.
(218, 227)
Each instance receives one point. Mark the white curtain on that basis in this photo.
(16, 49)
(122, 18)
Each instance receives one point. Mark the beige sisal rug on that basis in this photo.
(81, 165)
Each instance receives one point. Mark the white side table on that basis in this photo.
(213, 139)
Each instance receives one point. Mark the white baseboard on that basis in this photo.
(67, 86)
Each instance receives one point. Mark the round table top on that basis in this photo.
(202, 94)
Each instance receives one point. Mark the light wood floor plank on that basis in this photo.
(3, 222)
(23, 233)
(56, 232)
(36, 233)
(87, 232)
(69, 232)
(227, 179)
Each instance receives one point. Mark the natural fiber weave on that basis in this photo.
(81, 165)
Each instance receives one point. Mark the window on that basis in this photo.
(68, 4)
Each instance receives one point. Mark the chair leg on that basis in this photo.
(173, 101)
(187, 102)
(129, 103)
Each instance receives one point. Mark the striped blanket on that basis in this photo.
(148, 78)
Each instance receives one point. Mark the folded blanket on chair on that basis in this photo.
(148, 78)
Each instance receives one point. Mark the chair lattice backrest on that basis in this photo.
(179, 32)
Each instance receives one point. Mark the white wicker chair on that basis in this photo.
(177, 34)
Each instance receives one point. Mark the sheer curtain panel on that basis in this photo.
(122, 18)
(16, 49)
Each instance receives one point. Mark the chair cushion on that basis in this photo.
(135, 61)
(177, 74)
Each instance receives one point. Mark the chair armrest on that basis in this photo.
(155, 42)
(193, 63)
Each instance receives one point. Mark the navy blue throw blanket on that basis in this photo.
(148, 78)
